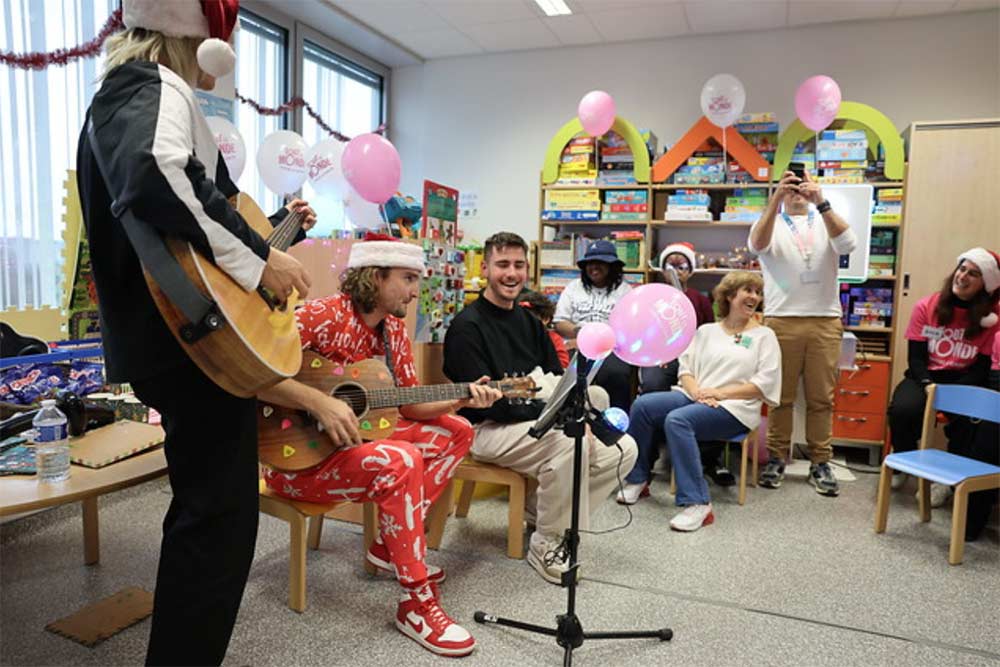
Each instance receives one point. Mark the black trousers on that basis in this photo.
(984, 445)
(615, 377)
(210, 529)
(906, 417)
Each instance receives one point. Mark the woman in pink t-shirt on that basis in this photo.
(950, 338)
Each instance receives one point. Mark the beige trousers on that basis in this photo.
(550, 461)
(810, 348)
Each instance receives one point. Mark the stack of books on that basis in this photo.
(578, 165)
(558, 252)
(761, 130)
(888, 208)
(630, 246)
(584, 204)
(842, 156)
(626, 205)
(615, 159)
(866, 306)
(745, 205)
(701, 170)
(551, 282)
(882, 253)
(688, 205)
(802, 154)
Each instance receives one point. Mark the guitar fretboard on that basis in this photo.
(396, 396)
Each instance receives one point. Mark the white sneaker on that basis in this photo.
(692, 518)
(898, 480)
(545, 556)
(940, 493)
(630, 493)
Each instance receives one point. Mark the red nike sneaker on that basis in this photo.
(421, 618)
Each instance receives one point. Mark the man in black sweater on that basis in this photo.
(493, 336)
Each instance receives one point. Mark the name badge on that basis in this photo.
(933, 333)
(809, 277)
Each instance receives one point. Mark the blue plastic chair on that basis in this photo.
(966, 475)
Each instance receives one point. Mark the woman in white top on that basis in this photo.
(590, 298)
(730, 367)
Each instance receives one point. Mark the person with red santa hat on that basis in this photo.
(146, 155)
(950, 339)
(404, 474)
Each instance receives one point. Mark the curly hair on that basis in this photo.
(616, 275)
(360, 285)
(731, 284)
(538, 304)
(979, 306)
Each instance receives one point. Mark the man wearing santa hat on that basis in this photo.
(146, 153)
(405, 474)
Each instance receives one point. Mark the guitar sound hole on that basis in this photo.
(354, 396)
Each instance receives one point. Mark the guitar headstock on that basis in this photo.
(517, 388)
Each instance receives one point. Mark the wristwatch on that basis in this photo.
(823, 207)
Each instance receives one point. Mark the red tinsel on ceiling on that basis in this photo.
(40, 60)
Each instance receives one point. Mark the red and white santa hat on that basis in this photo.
(386, 251)
(682, 248)
(989, 265)
(214, 20)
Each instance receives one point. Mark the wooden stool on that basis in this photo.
(296, 513)
(471, 471)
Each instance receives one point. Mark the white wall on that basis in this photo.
(482, 123)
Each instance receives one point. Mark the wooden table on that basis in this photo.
(23, 493)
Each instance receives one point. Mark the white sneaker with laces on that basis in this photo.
(898, 480)
(630, 493)
(544, 556)
(692, 518)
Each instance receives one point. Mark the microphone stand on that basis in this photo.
(569, 631)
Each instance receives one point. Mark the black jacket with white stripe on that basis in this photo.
(164, 165)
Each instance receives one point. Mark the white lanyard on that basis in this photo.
(805, 246)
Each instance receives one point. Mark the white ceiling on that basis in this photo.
(429, 29)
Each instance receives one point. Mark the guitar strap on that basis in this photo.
(202, 314)
(388, 353)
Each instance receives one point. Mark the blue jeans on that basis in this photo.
(684, 422)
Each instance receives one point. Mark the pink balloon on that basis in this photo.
(817, 102)
(372, 166)
(596, 112)
(595, 340)
(653, 325)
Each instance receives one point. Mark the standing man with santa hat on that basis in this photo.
(146, 152)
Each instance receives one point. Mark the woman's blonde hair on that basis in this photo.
(180, 54)
(731, 284)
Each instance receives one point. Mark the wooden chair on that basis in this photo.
(298, 513)
(747, 442)
(927, 464)
(471, 471)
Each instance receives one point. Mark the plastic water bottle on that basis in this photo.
(51, 443)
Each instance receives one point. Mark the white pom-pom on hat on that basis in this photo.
(216, 57)
(989, 320)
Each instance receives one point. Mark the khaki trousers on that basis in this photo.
(550, 461)
(810, 348)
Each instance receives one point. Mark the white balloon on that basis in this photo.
(723, 99)
(230, 143)
(362, 213)
(325, 173)
(281, 161)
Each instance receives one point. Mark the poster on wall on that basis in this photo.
(442, 291)
(440, 214)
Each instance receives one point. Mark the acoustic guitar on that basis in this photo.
(290, 440)
(258, 343)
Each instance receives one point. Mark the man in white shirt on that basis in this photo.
(800, 256)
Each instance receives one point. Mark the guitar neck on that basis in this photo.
(283, 235)
(397, 396)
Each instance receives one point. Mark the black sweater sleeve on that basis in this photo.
(916, 358)
(147, 144)
(978, 373)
